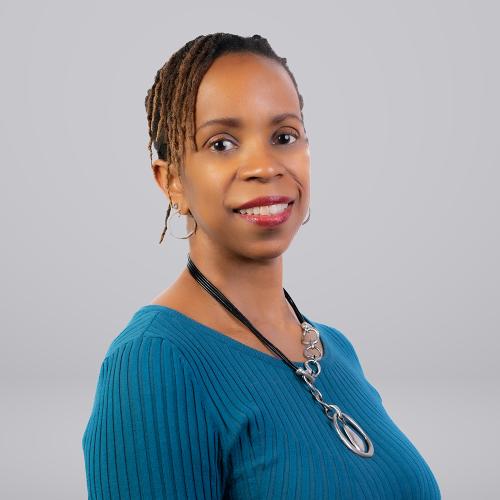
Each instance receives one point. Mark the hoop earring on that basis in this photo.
(178, 214)
(308, 216)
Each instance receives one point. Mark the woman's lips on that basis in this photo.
(268, 220)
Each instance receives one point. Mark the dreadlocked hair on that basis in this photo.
(170, 102)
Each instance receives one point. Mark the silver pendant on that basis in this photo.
(362, 446)
(349, 431)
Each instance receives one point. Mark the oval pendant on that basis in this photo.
(350, 437)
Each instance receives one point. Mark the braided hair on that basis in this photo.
(170, 102)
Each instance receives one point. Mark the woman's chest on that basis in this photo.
(280, 444)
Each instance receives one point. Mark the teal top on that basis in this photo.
(182, 411)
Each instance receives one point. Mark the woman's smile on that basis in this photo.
(267, 215)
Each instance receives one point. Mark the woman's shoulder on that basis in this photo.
(148, 348)
(162, 328)
(339, 339)
(141, 325)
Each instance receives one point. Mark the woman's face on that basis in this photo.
(250, 156)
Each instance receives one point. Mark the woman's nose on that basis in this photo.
(260, 162)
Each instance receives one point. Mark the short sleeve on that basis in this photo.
(148, 435)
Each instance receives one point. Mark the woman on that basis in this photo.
(206, 393)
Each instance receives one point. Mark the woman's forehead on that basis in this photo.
(245, 84)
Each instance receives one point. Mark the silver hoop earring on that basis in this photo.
(178, 216)
(308, 216)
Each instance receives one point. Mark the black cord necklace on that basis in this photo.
(216, 293)
(351, 434)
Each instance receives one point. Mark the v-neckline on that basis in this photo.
(230, 340)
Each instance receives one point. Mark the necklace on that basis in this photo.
(349, 431)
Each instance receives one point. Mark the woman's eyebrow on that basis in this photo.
(230, 121)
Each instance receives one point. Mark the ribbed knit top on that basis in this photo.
(182, 411)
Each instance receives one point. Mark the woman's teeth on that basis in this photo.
(265, 210)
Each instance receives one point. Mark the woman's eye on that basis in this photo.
(219, 141)
(289, 136)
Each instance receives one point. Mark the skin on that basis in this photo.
(233, 165)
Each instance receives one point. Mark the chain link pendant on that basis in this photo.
(349, 431)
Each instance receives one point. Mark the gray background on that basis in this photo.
(400, 254)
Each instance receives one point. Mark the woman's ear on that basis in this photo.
(160, 172)
(168, 180)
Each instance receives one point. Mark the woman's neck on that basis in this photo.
(255, 287)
